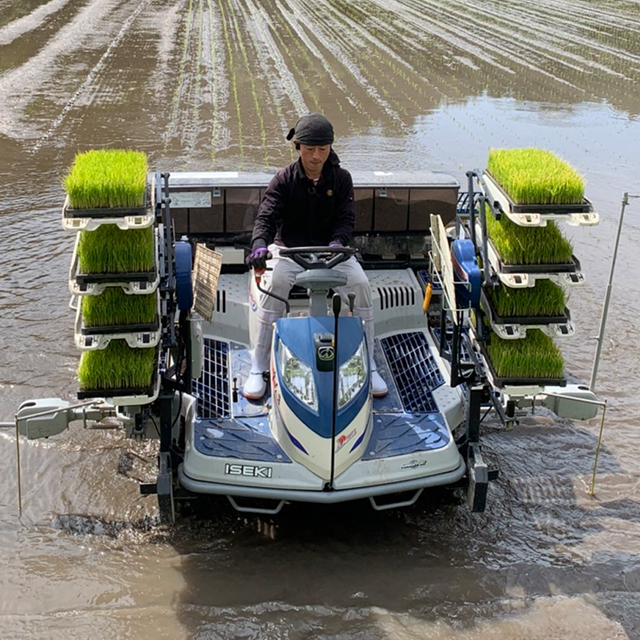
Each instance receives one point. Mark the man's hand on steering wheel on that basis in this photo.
(316, 257)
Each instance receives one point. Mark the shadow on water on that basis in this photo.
(308, 570)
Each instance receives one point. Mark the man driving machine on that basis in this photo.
(308, 203)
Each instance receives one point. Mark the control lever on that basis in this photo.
(352, 301)
(258, 276)
(337, 305)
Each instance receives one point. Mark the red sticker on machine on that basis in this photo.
(344, 438)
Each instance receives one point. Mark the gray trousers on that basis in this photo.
(283, 278)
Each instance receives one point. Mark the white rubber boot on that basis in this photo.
(379, 387)
(255, 384)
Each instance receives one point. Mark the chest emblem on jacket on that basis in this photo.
(329, 192)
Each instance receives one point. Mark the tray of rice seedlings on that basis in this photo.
(512, 312)
(119, 371)
(534, 360)
(107, 186)
(529, 250)
(532, 186)
(114, 315)
(110, 256)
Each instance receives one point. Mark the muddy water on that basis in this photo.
(202, 84)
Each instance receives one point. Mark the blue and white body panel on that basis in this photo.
(305, 433)
(281, 449)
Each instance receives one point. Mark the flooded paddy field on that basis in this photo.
(408, 84)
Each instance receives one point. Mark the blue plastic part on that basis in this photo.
(244, 439)
(467, 272)
(184, 290)
(397, 435)
(297, 334)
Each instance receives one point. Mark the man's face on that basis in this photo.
(314, 157)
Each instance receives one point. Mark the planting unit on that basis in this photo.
(116, 248)
(527, 260)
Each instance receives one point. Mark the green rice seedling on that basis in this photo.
(528, 245)
(116, 367)
(114, 307)
(535, 356)
(107, 178)
(535, 176)
(234, 81)
(111, 250)
(545, 299)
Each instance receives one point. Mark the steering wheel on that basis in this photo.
(318, 257)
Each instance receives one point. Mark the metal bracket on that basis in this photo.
(478, 479)
(148, 489)
(164, 489)
(261, 510)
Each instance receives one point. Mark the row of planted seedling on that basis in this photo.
(532, 177)
(117, 324)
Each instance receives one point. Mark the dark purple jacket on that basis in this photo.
(295, 213)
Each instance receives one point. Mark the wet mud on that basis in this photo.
(408, 84)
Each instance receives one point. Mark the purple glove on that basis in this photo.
(336, 244)
(258, 257)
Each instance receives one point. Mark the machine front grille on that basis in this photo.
(414, 370)
(212, 388)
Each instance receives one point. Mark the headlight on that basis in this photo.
(298, 377)
(353, 375)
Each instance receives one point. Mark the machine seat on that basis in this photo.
(321, 279)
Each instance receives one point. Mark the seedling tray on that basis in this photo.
(115, 393)
(126, 396)
(500, 383)
(565, 267)
(120, 329)
(516, 327)
(524, 275)
(137, 336)
(93, 284)
(537, 320)
(100, 278)
(503, 267)
(537, 215)
(90, 219)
